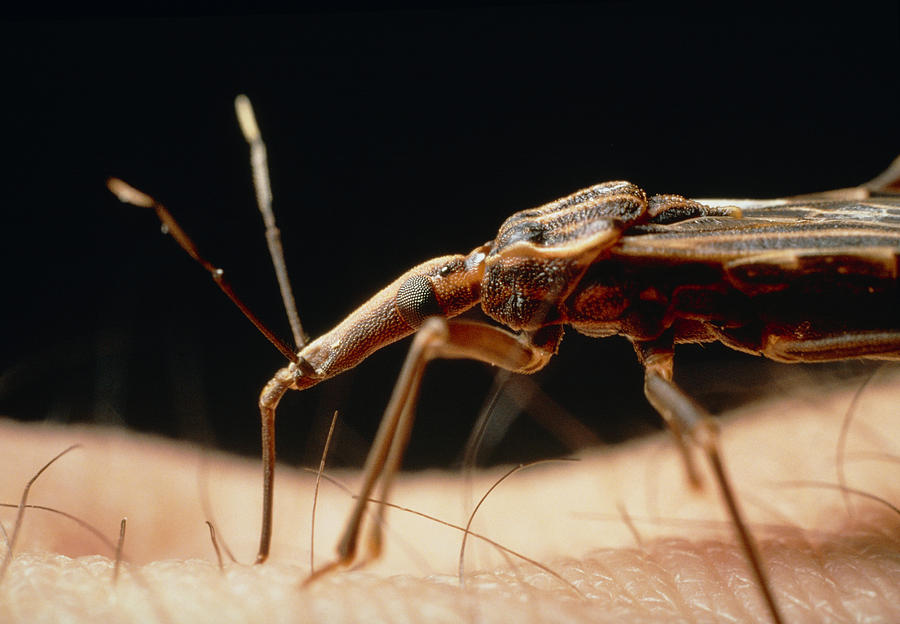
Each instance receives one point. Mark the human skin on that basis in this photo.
(632, 541)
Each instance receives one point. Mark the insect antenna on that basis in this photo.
(260, 166)
(130, 195)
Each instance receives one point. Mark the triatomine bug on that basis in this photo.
(809, 278)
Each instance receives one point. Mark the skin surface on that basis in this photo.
(673, 561)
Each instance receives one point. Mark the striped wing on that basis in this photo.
(781, 230)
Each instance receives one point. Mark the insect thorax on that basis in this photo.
(540, 254)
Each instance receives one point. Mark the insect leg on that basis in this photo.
(437, 338)
(675, 406)
(881, 345)
(659, 360)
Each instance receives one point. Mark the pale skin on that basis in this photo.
(676, 561)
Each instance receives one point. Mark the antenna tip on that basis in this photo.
(246, 118)
(128, 194)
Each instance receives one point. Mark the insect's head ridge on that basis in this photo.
(587, 220)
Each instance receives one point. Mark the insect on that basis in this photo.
(803, 279)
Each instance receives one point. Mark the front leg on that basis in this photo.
(689, 421)
(437, 338)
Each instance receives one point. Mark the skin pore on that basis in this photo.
(620, 525)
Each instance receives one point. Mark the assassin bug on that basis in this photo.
(803, 279)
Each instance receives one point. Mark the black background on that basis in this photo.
(394, 135)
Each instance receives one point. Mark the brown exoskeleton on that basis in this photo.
(805, 279)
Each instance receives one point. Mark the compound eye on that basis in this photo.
(416, 301)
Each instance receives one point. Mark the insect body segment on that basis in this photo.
(540, 255)
(445, 286)
(780, 280)
(802, 279)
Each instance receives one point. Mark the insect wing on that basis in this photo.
(795, 275)
(790, 227)
(768, 245)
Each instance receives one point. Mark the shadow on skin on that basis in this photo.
(674, 559)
